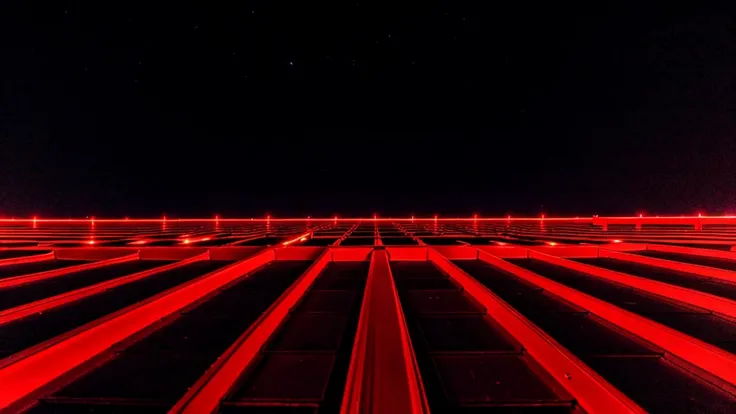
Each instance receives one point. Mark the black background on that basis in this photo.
(316, 108)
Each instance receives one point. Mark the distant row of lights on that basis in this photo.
(375, 217)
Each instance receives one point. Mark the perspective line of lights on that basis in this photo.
(35, 220)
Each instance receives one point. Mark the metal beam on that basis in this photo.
(383, 375)
(34, 277)
(25, 377)
(43, 305)
(28, 259)
(698, 353)
(592, 392)
(703, 300)
(211, 388)
(722, 274)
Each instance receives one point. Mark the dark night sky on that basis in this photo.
(238, 108)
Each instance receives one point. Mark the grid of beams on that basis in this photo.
(372, 315)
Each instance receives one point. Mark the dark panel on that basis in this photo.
(660, 387)
(337, 301)
(463, 333)
(491, 379)
(268, 382)
(438, 301)
(310, 332)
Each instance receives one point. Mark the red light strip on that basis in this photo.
(596, 219)
(602, 221)
(210, 389)
(24, 377)
(352, 396)
(27, 259)
(300, 238)
(43, 305)
(718, 254)
(593, 392)
(722, 274)
(390, 367)
(707, 357)
(688, 296)
(34, 277)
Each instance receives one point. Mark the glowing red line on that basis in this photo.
(300, 238)
(707, 357)
(716, 273)
(28, 259)
(688, 296)
(350, 219)
(27, 375)
(206, 394)
(46, 304)
(358, 357)
(34, 277)
(594, 393)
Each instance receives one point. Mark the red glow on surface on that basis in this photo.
(35, 371)
(300, 238)
(91, 242)
(206, 395)
(191, 241)
(552, 243)
(721, 219)
(139, 242)
(500, 243)
(616, 241)
(593, 393)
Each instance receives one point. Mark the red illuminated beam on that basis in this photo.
(43, 305)
(352, 395)
(698, 353)
(687, 296)
(24, 378)
(210, 389)
(390, 366)
(718, 254)
(27, 259)
(715, 273)
(726, 219)
(34, 277)
(593, 393)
